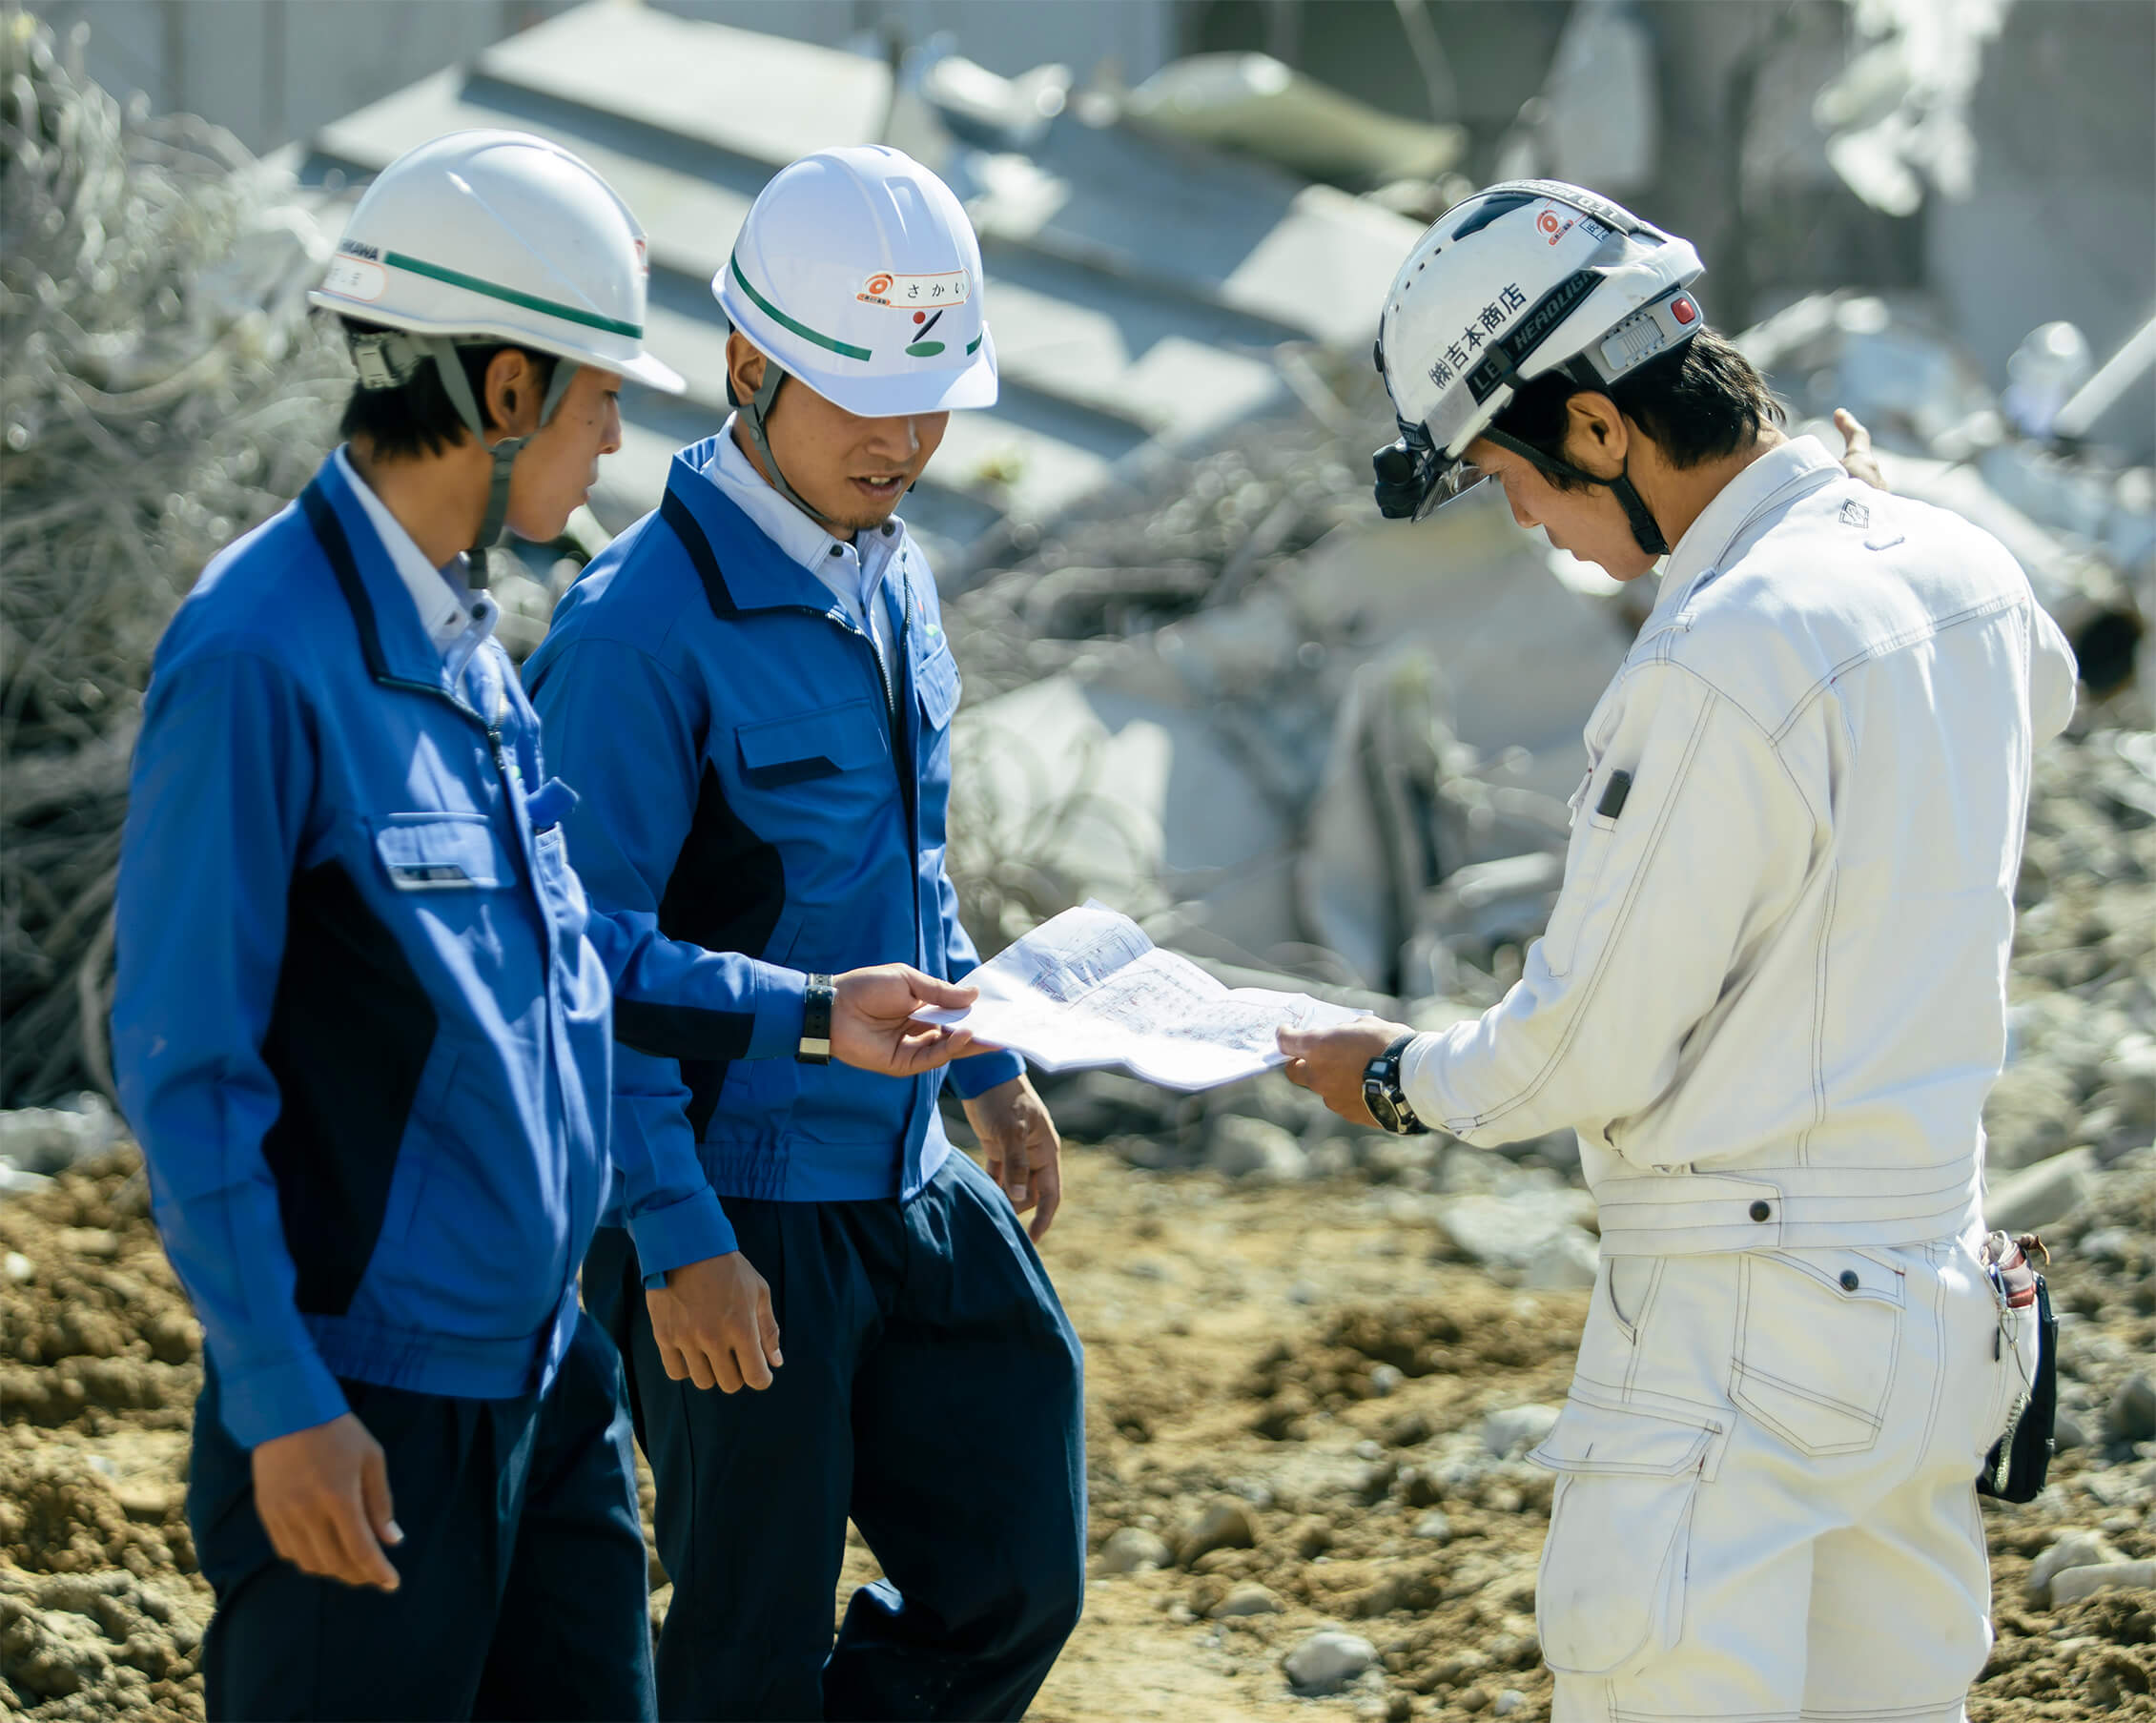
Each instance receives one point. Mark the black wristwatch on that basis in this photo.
(817, 1000)
(1382, 1092)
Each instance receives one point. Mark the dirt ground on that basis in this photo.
(1286, 1386)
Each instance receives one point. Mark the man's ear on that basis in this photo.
(512, 394)
(745, 367)
(1596, 437)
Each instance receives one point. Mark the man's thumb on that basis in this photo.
(373, 1496)
(948, 994)
(1294, 1042)
(767, 1331)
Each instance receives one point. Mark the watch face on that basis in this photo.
(1381, 1106)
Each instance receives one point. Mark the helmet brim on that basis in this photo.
(652, 374)
(638, 366)
(941, 391)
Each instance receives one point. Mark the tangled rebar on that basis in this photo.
(161, 390)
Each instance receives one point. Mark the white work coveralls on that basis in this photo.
(1771, 1000)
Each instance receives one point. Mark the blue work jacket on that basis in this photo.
(363, 1027)
(752, 775)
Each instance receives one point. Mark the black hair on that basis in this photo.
(419, 419)
(1699, 404)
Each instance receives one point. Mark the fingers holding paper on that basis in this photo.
(1329, 1062)
(873, 1021)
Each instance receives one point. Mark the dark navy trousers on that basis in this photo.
(523, 1566)
(931, 1393)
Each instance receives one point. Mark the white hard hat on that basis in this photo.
(1524, 278)
(858, 273)
(485, 237)
(504, 236)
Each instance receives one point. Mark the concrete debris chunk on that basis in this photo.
(51, 1139)
(2076, 1583)
(1327, 1661)
(2082, 1549)
(1507, 1231)
(1134, 1549)
(1253, 1148)
(1248, 1598)
(2040, 1194)
(1512, 1431)
(2132, 1417)
(1226, 1525)
(1567, 1261)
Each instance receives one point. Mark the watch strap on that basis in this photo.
(1380, 1079)
(817, 999)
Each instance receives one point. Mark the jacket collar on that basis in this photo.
(755, 573)
(1779, 477)
(392, 639)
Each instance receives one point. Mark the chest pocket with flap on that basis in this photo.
(935, 678)
(440, 851)
(778, 751)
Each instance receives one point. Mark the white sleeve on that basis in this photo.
(2052, 674)
(1660, 900)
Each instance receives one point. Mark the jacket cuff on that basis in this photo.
(985, 1070)
(777, 1031)
(278, 1396)
(1422, 1080)
(687, 1231)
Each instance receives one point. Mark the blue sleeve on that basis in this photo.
(619, 730)
(217, 810)
(984, 1071)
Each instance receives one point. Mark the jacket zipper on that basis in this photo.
(901, 757)
(550, 937)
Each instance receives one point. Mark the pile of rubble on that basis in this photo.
(161, 390)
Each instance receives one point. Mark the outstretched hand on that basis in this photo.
(872, 1024)
(1329, 1062)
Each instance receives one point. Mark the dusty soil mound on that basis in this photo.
(101, 1611)
(1300, 1416)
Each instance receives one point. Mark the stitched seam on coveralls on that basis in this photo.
(1541, 1078)
(1819, 968)
(1928, 629)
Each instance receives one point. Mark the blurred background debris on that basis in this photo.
(1205, 682)
(161, 391)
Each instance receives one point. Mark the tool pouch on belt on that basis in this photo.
(2020, 1461)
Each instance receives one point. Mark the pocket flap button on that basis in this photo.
(1761, 1211)
(1849, 1279)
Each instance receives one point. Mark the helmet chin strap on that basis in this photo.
(1644, 530)
(504, 454)
(753, 413)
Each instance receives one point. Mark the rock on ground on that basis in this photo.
(1327, 1662)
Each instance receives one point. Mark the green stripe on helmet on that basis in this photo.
(784, 322)
(974, 346)
(531, 301)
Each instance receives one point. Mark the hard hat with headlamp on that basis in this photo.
(488, 238)
(858, 274)
(1523, 279)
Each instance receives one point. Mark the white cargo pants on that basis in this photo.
(1765, 1508)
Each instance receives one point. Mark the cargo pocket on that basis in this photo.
(1818, 1341)
(1610, 1590)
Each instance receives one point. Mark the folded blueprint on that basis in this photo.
(1088, 987)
